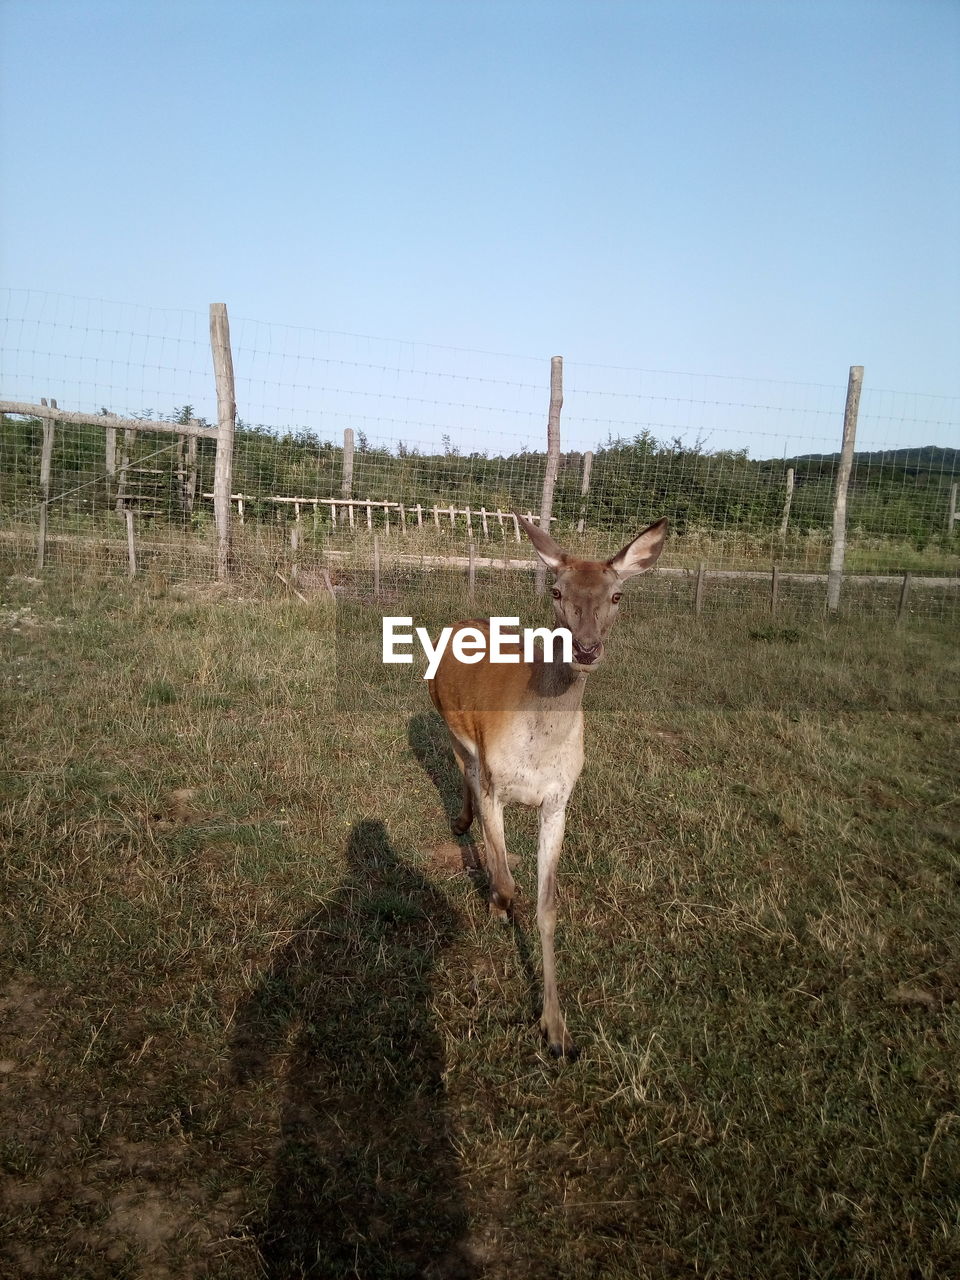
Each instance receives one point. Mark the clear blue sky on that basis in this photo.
(766, 190)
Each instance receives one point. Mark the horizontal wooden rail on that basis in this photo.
(412, 507)
(50, 413)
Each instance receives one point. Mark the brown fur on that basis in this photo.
(517, 731)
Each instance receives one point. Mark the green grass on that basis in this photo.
(255, 1021)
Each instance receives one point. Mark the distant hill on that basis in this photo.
(928, 457)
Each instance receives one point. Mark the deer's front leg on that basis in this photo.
(553, 815)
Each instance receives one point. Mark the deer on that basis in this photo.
(516, 728)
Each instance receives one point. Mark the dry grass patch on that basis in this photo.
(255, 1020)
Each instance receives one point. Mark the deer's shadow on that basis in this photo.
(366, 1182)
(430, 742)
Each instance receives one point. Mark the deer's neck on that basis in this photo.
(560, 684)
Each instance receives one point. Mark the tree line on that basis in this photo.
(902, 493)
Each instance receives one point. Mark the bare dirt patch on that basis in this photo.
(450, 859)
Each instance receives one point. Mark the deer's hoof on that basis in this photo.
(461, 825)
(499, 912)
(570, 1051)
(560, 1046)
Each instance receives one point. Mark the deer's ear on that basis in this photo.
(550, 552)
(640, 554)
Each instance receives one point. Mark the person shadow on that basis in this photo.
(366, 1181)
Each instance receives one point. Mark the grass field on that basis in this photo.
(256, 1023)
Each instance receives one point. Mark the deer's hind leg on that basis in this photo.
(464, 819)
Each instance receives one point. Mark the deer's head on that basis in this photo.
(586, 593)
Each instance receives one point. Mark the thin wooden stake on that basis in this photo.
(376, 567)
(787, 503)
(698, 596)
(838, 550)
(774, 590)
(952, 508)
(904, 596)
(294, 548)
(131, 543)
(191, 489)
(471, 569)
(584, 489)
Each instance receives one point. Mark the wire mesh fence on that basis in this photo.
(347, 445)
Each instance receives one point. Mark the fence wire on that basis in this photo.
(447, 443)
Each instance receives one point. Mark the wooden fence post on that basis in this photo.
(837, 551)
(787, 502)
(553, 462)
(952, 508)
(294, 547)
(584, 489)
(111, 459)
(774, 590)
(46, 461)
(226, 425)
(376, 567)
(129, 440)
(904, 596)
(471, 569)
(346, 477)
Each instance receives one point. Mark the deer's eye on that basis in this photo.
(556, 593)
(617, 597)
